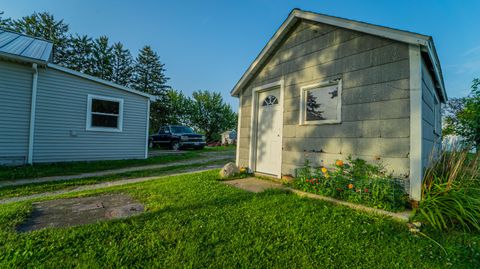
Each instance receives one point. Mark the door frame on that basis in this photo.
(252, 159)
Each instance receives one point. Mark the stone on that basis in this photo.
(229, 170)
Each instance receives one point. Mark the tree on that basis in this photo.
(5, 23)
(313, 108)
(211, 114)
(178, 110)
(149, 74)
(462, 116)
(79, 54)
(149, 77)
(122, 65)
(44, 25)
(102, 58)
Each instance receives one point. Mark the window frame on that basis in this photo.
(303, 101)
(89, 126)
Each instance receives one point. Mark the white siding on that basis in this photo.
(15, 96)
(60, 128)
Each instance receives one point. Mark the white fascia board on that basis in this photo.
(99, 80)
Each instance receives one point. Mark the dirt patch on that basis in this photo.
(253, 184)
(79, 211)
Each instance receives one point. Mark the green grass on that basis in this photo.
(196, 221)
(34, 188)
(72, 168)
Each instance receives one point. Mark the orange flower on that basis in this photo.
(339, 163)
(350, 186)
(324, 170)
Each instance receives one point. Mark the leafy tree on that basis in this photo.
(178, 108)
(211, 114)
(122, 65)
(79, 54)
(44, 25)
(5, 23)
(462, 116)
(102, 58)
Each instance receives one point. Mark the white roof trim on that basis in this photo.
(390, 33)
(99, 80)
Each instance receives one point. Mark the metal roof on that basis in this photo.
(24, 47)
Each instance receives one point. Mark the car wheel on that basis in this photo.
(175, 145)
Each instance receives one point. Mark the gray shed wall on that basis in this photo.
(60, 128)
(375, 100)
(431, 138)
(15, 97)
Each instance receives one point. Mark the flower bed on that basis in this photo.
(354, 181)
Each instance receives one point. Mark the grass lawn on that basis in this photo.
(195, 221)
(72, 168)
(28, 189)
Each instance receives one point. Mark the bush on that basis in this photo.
(355, 181)
(451, 192)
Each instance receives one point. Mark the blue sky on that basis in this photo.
(209, 44)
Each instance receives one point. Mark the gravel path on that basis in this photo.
(206, 157)
(108, 184)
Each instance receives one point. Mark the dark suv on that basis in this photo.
(177, 137)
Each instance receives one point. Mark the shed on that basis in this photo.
(325, 88)
(49, 113)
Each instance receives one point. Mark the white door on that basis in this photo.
(269, 132)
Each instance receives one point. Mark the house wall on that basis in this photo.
(60, 127)
(432, 139)
(15, 97)
(375, 99)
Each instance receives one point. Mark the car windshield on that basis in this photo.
(181, 130)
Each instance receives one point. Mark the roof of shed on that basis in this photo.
(425, 42)
(23, 47)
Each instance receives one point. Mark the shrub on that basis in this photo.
(451, 192)
(355, 181)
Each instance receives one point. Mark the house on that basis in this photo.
(325, 88)
(229, 137)
(49, 113)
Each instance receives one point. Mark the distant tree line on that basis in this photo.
(205, 111)
(462, 117)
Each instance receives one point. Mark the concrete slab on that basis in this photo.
(253, 184)
(78, 211)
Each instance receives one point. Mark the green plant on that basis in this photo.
(355, 181)
(451, 192)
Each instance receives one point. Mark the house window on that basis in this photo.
(104, 113)
(321, 103)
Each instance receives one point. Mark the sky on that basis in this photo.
(208, 45)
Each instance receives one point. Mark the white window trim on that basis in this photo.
(303, 97)
(89, 126)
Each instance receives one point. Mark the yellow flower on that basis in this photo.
(350, 186)
(324, 170)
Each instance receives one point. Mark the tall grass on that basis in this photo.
(451, 191)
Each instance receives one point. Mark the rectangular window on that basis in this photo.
(104, 113)
(321, 103)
